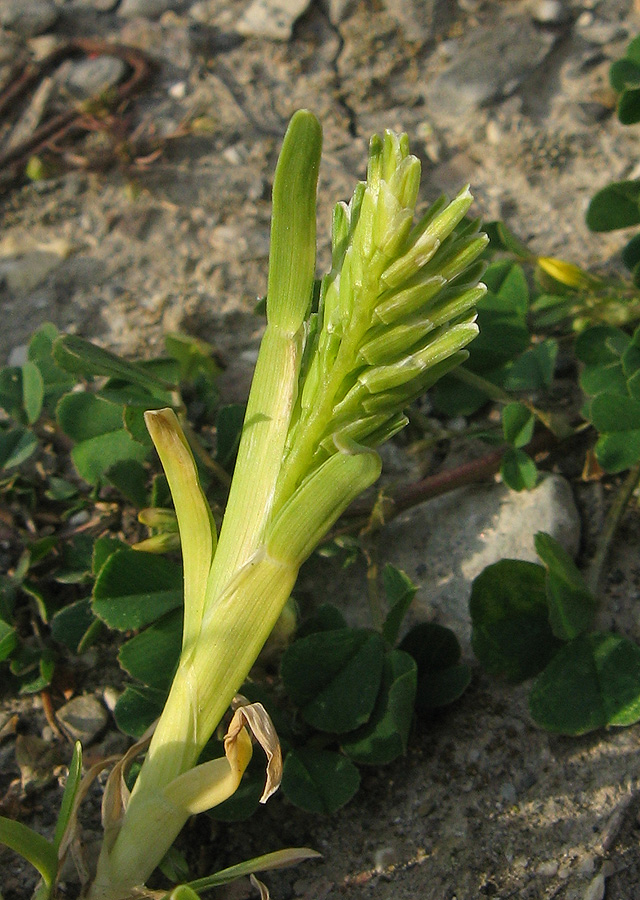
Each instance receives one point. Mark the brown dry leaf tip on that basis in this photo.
(255, 716)
(116, 793)
(70, 841)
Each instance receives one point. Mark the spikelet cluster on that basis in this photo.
(395, 311)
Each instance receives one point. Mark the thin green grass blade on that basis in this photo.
(70, 790)
(280, 859)
(32, 846)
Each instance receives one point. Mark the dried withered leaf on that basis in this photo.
(255, 716)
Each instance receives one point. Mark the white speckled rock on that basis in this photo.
(515, 50)
(83, 718)
(144, 9)
(445, 543)
(273, 19)
(28, 17)
(94, 76)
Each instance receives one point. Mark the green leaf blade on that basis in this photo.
(80, 357)
(152, 656)
(571, 605)
(386, 734)
(319, 781)
(32, 846)
(518, 423)
(334, 676)
(518, 470)
(615, 206)
(134, 589)
(511, 635)
(400, 591)
(442, 678)
(594, 681)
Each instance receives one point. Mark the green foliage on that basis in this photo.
(511, 636)
(611, 380)
(93, 400)
(134, 589)
(572, 607)
(350, 685)
(592, 682)
(343, 697)
(348, 688)
(44, 855)
(534, 621)
(319, 781)
(618, 204)
(441, 677)
(334, 677)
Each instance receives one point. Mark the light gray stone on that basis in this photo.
(549, 12)
(489, 63)
(28, 17)
(422, 20)
(596, 888)
(273, 19)
(83, 718)
(143, 9)
(444, 544)
(338, 10)
(27, 272)
(95, 76)
(18, 356)
(97, 5)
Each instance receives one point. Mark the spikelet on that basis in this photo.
(395, 313)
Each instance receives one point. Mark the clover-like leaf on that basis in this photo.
(511, 633)
(518, 470)
(319, 781)
(594, 681)
(134, 589)
(152, 655)
(615, 206)
(442, 677)
(385, 735)
(400, 591)
(334, 677)
(571, 605)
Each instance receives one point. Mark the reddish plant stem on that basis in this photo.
(71, 118)
(406, 496)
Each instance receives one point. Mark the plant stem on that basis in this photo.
(492, 391)
(399, 500)
(595, 569)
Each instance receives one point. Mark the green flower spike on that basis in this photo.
(395, 313)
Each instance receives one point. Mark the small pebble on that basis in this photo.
(83, 718)
(110, 697)
(549, 12)
(547, 869)
(79, 518)
(272, 19)
(95, 76)
(42, 45)
(18, 355)
(143, 9)
(28, 17)
(24, 274)
(595, 890)
(178, 91)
